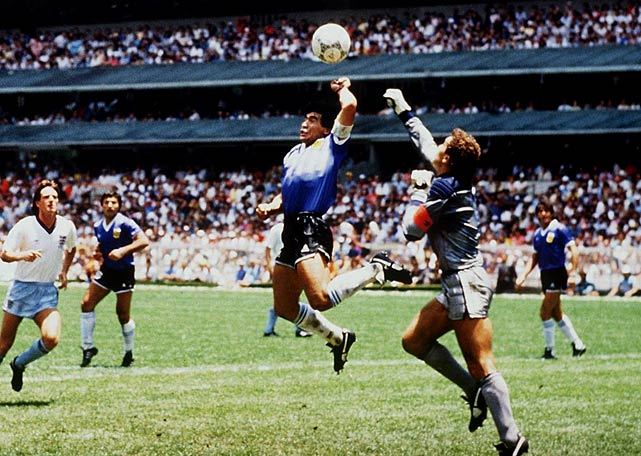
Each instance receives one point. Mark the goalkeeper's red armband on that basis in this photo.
(422, 218)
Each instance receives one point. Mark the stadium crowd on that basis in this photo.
(114, 110)
(203, 227)
(488, 27)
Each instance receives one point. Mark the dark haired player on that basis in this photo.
(119, 237)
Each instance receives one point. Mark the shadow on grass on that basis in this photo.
(26, 403)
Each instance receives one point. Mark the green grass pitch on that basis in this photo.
(205, 382)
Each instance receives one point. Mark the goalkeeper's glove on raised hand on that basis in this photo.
(396, 101)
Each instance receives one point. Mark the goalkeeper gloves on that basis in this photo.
(395, 100)
(421, 181)
(421, 178)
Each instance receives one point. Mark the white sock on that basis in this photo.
(313, 321)
(87, 325)
(345, 285)
(565, 325)
(548, 333)
(128, 335)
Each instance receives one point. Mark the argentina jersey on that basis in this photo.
(549, 244)
(454, 234)
(310, 174)
(120, 232)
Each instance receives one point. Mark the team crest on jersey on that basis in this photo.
(61, 241)
(317, 144)
(117, 232)
(549, 238)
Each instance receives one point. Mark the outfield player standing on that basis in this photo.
(43, 245)
(448, 213)
(119, 237)
(310, 172)
(550, 242)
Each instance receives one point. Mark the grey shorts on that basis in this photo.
(466, 292)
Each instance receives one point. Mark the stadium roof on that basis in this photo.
(223, 74)
(368, 128)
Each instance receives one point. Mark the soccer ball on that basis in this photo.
(331, 43)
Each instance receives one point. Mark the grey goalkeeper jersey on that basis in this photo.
(454, 233)
(451, 205)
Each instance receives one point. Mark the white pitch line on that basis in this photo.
(77, 373)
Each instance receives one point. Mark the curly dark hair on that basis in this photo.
(112, 193)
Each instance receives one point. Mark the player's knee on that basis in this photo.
(50, 341)
(87, 305)
(413, 347)
(320, 301)
(5, 346)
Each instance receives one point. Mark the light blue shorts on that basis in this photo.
(27, 299)
(466, 292)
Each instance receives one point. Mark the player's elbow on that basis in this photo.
(412, 232)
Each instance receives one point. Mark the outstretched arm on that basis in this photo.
(419, 134)
(347, 101)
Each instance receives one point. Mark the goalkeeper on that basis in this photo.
(445, 209)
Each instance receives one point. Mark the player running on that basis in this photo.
(43, 245)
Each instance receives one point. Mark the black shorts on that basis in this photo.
(116, 280)
(554, 280)
(304, 235)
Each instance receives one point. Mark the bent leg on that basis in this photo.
(315, 272)
(421, 340)
(49, 322)
(287, 286)
(10, 325)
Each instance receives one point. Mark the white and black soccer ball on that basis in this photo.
(331, 43)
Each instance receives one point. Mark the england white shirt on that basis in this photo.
(29, 234)
(275, 240)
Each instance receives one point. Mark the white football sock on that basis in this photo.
(87, 325)
(548, 333)
(565, 325)
(128, 335)
(345, 285)
(313, 321)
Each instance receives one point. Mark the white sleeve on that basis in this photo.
(14, 238)
(72, 237)
(341, 132)
(422, 138)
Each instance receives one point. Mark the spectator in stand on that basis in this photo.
(627, 286)
(584, 287)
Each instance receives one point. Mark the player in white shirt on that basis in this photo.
(44, 245)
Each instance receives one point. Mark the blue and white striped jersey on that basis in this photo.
(310, 174)
(549, 244)
(120, 232)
